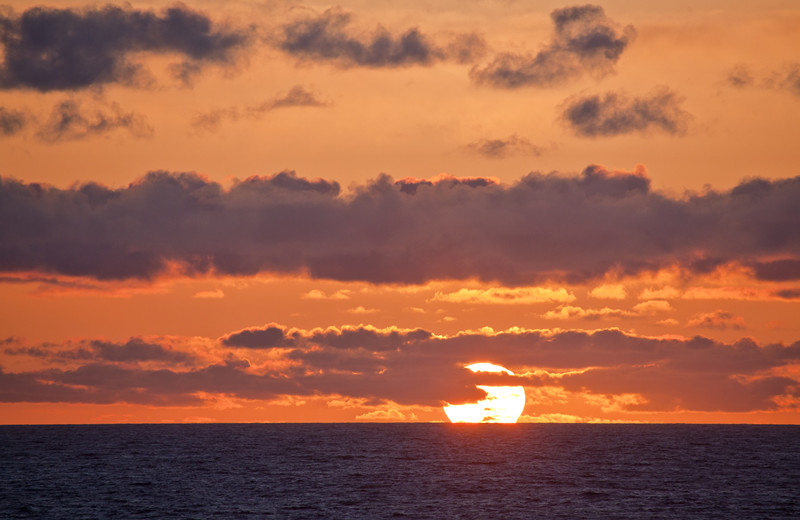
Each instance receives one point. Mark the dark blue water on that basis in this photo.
(400, 471)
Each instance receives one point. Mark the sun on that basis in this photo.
(503, 404)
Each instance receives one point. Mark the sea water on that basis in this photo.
(569, 471)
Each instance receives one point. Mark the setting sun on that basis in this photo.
(503, 404)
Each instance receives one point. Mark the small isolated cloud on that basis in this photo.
(70, 121)
(297, 96)
(740, 76)
(49, 49)
(616, 113)
(652, 307)
(503, 295)
(609, 292)
(584, 41)
(316, 294)
(329, 37)
(215, 294)
(362, 310)
(11, 121)
(718, 320)
(501, 148)
(786, 78)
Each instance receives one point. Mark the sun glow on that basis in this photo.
(503, 404)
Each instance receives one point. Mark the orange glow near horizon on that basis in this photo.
(503, 404)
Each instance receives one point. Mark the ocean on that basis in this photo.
(373, 471)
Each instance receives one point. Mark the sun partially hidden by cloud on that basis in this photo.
(503, 404)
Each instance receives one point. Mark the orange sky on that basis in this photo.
(281, 211)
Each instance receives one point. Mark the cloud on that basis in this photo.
(616, 113)
(504, 295)
(719, 320)
(272, 336)
(316, 294)
(568, 312)
(501, 148)
(777, 270)
(389, 415)
(740, 76)
(785, 78)
(788, 294)
(361, 310)
(215, 294)
(611, 292)
(412, 367)
(11, 121)
(135, 350)
(584, 41)
(297, 96)
(543, 228)
(49, 49)
(571, 312)
(652, 307)
(70, 121)
(329, 37)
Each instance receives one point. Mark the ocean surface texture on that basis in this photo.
(400, 471)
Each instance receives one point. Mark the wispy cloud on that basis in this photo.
(501, 148)
(297, 96)
(70, 121)
(786, 78)
(12, 121)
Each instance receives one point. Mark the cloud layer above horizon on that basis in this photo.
(542, 227)
(410, 367)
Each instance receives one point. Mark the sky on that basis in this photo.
(286, 211)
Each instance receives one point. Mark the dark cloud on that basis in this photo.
(500, 148)
(544, 226)
(11, 121)
(361, 337)
(584, 41)
(777, 270)
(616, 113)
(69, 120)
(414, 367)
(268, 337)
(788, 294)
(134, 350)
(69, 49)
(298, 96)
(329, 37)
